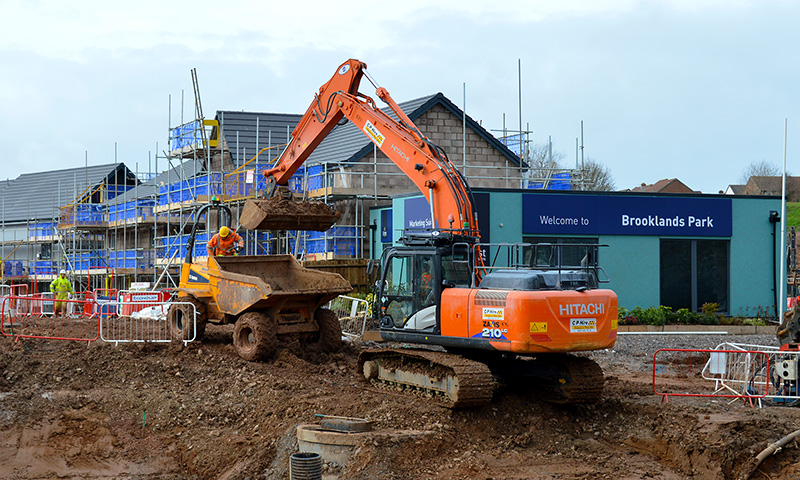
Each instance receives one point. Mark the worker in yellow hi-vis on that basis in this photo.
(62, 288)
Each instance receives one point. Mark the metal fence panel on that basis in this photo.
(711, 373)
(147, 322)
(353, 314)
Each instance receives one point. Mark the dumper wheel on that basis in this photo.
(255, 336)
(181, 326)
(329, 337)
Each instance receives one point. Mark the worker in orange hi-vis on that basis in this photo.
(62, 288)
(226, 242)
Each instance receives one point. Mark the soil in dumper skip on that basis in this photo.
(154, 411)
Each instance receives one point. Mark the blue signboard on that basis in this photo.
(386, 226)
(628, 215)
(417, 214)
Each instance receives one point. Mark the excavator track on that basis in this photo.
(586, 381)
(557, 378)
(448, 380)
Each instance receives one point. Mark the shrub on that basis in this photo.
(663, 315)
(709, 314)
(684, 316)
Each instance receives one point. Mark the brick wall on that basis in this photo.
(483, 166)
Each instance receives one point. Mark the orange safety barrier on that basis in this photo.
(104, 302)
(19, 289)
(134, 301)
(711, 373)
(21, 322)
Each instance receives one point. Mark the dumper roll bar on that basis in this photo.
(214, 204)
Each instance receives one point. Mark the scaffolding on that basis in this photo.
(72, 237)
(137, 237)
(111, 234)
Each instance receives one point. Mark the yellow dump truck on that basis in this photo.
(269, 298)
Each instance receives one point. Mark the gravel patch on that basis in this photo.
(634, 353)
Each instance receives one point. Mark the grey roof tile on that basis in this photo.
(38, 196)
(239, 130)
(346, 143)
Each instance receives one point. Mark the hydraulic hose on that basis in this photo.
(773, 448)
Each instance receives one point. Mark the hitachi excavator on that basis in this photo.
(474, 324)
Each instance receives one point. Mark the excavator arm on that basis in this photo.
(399, 139)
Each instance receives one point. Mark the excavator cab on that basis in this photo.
(410, 285)
(412, 280)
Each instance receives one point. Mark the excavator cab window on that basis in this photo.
(396, 299)
(426, 293)
(409, 285)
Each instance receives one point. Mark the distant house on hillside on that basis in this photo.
(772, 186)
(667, 185)
(735, 190)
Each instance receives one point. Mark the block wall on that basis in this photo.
(483, 166)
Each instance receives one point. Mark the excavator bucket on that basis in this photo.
(277, 213)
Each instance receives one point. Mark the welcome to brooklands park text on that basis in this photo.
(636, 221)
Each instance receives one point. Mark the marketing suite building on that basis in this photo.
(677, 250)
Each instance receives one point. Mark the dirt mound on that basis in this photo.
(78, 410)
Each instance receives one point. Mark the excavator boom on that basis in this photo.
(400, 140)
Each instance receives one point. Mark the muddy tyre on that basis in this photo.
(329, 337)
(255, 336)
(181, 326)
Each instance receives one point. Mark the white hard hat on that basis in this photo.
(62, 271)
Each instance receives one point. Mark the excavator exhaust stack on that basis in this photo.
(278, 213)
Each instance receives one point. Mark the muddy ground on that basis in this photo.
(161, 411)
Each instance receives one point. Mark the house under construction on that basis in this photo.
(110, 226)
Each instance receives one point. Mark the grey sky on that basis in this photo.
(693, 89)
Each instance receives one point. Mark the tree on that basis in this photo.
(597, 176)
(760, 168)
(542, 161)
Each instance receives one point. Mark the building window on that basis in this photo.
(694, 272)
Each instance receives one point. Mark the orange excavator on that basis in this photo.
(474, 324)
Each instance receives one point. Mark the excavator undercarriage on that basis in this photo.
(449, 380)
(456, 381)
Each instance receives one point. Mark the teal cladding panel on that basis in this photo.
(506, 217)
(752, 272)
(632, 265)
